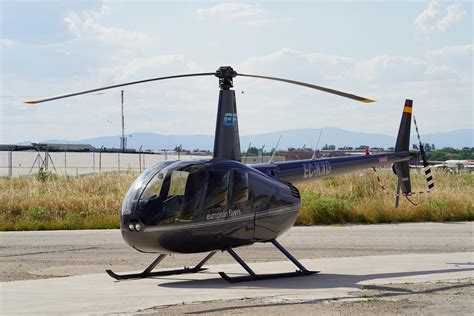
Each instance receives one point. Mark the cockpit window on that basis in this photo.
(216, 195)
(178, 183)
(240, 188)
(153, 188)
(133, 193)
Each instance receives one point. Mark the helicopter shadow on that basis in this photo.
(381, 292)
(316, 281)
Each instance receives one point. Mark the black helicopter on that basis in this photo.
(218, 204)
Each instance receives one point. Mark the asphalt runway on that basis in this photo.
(62, 271)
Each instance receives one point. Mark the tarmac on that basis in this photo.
(352, 258)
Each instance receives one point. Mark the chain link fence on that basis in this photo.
(20, 163)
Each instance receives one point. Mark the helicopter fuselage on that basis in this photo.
(203, 205)
(196, 206)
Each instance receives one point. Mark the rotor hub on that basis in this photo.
(225, 75)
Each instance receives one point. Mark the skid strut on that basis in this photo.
(148, 271)
(254, 277)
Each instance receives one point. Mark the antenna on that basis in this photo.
(260, 151)
(247, 152)
(123, 141)
(274, 150)
(317, 144)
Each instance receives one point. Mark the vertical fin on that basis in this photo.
(402, 169)
(403, 139)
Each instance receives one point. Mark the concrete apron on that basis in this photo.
(98, 293)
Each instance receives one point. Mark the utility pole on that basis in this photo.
(123, 141)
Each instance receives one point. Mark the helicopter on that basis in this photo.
(219, 204)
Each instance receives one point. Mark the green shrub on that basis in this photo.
(37, 213)
(327, 209)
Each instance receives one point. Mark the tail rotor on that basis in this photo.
(426, 165)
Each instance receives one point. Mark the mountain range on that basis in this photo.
(289, 138)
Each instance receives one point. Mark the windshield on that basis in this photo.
(131, 197)
(162, 200)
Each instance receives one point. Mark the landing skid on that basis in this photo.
(255, 277)
(148, 271)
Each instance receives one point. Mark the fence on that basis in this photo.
(18, 163)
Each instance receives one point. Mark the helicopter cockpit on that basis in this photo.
(174, 192)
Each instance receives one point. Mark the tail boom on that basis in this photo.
(314, 169)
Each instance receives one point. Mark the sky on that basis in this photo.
(383, 50)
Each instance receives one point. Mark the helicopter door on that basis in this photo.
(265, 200)
(227, 201)
(240, 204)
(240, 209)
(215, 200)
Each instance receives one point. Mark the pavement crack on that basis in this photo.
(50, 251)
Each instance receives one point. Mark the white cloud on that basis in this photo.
(262, 22)
(431, 19)
(433, 79)
(386, 66)
(451, 61)
(139, 68)
(454, 13)
(318, 66)
(229, 10)
(243, 13)
(452, 51)
(314, 65)
(6, 42)
(85, 25)
(425, 20)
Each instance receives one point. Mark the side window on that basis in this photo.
(178, 183)
(240, 187)
(194, 194)
(216, 195)
(173, 189)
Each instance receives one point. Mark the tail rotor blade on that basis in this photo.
(309, 85)
(426, 165)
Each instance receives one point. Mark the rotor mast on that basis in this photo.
(227, 139)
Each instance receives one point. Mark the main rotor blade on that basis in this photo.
(117, 86)
(308, 85)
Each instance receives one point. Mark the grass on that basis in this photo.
(52, 202)
(358, 199)
(58, 202)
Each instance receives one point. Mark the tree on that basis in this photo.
(253, 151)
(329, 147)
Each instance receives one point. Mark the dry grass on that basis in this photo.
(357, 198)
(31, 203)
(51, 202)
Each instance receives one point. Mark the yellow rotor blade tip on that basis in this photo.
(368, 101)
(31, 101)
